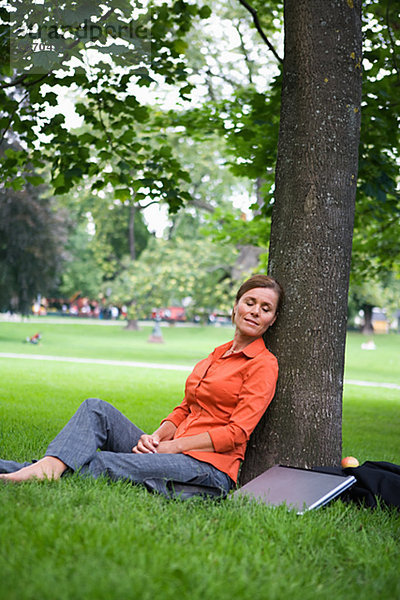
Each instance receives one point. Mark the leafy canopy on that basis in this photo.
(105, 52)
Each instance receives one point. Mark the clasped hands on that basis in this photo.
(151, 444)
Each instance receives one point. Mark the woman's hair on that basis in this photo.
(262, 281)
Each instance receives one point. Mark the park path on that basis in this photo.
(159, 366)
(99, 361)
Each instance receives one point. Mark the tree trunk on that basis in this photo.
(367, 328)
(132, 324)
(132, 249)
(311, 234)
(260, 181)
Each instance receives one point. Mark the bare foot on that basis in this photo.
(48, 467)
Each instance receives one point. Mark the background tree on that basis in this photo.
(192, 273)
(372, 293)
(81, 273)
(119, 230)
(32, 239)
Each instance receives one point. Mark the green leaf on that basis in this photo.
(205, 12)
(51, 98)
(58, 181)
(122, 194)
(180, 46)
(141, 114)
(87, 138)
(18, 183)
(124, 166)
(99, 185)
(57, 120)
(35, 179)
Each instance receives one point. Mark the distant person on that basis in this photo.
(34, 339)
(203, 440)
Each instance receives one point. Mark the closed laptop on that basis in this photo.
(298, 489)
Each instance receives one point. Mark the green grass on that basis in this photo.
(97, 540)
(382, 364)
(81, 539)
(182, 345)
(113, 341)
(371, 424)
(84, 539)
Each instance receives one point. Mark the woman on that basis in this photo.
(202, 441)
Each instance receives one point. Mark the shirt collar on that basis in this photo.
(250, 351)
(254, 348)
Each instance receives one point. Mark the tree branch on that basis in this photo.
(143, 206)
(257, 24)
(202, 205)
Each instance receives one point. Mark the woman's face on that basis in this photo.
(255, 312)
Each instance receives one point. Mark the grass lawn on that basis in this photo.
(382, 364)
(80, 539)
(113, 341)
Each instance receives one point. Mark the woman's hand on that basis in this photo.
(147, 444)
(161, 441)
(150, 443)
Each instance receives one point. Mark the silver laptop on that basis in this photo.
(299, 489)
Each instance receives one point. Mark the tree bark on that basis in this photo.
(311, 234)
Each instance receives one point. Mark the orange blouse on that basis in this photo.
(226, 397)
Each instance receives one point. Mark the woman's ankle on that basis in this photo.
(52, 467)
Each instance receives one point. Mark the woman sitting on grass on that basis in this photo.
(202, 441)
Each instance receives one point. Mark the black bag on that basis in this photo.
(376, 482)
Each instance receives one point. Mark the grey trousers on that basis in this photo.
(97, 425)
